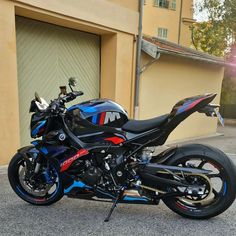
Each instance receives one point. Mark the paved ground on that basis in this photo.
(79, 217)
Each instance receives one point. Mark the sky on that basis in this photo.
(199, 16)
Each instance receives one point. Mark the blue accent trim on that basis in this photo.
(105, 193)
(83, 108)
(77, 184)
(94, 120)
(18, 190)
(36, 130)
(44, 150)
(225, 188)
(184, 106)
(129, 198)
(34, 151)
(35, 142)
(88, 109)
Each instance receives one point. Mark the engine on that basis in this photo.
(106, 171)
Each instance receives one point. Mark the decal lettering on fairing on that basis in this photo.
(111, 116)
(66, 164)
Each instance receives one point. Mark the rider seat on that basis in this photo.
(138, 126)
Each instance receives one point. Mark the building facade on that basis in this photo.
(172, 72)
(169, 20)
(42, 43)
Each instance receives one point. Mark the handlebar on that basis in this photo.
(57, 105)
(71, 96)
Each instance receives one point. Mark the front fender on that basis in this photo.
(65, 179)
(23, 150)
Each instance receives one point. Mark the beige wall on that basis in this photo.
(117, 77)
(187, 15)
(9, 134)
(102, 12)
(116, 23)
(131, 4)
(155, 17)
(171, 79)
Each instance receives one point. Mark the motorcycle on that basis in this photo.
(93, 151)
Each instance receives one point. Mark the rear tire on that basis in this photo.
(13, 176)
(222, 200)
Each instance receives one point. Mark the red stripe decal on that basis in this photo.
(102, 118)
(67, 163)
(194, 103)
(115, 140)
(40, 199)
(181, 206)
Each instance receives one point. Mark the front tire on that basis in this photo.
(14, 172)
(221, 199)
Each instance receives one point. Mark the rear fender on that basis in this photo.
(164, 156)
(183, 150)
(189, 150)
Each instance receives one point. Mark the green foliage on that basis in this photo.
(210, 37)
(229, 12)
(228, 92)
(215, 36)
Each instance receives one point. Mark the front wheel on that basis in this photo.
(43, 188)
(214, 192)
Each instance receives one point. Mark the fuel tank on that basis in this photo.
(101, 112)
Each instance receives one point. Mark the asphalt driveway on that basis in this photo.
(80, 217)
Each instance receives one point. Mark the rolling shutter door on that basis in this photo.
(47, 55)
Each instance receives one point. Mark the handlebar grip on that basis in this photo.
(78, 93)
(71, 96)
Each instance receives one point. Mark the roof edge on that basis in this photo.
(151, 47)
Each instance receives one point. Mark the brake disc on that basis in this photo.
(28, 188)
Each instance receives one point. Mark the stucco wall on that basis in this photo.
(116, 23)
(131, 4)
(187, 13)
(171, 79)
(155, 17)
(102, 12)
(9, 113)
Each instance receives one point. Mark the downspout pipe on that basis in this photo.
(138, 61)
(180, 21)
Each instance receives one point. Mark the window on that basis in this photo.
(173, 5)
(162, 33)
(161, 3)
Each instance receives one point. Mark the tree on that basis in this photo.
(210, 37)
(217, 34)
(230, 15)
(230, 71)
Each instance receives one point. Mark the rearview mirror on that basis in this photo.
(72, 81)
(37, 98)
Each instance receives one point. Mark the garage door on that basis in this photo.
(47, 55)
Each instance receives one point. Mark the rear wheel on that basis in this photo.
(212, 193)
(43, 188)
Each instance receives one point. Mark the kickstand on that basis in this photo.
(113, 206)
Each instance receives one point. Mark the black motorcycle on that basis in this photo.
(93, 151)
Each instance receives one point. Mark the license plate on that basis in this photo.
(220, 118)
